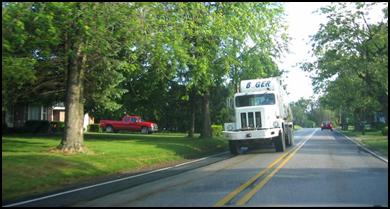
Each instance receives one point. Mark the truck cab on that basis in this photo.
(261, 113)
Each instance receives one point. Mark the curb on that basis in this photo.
(364, 147)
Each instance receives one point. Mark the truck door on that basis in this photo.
(133, 125)
(125, 123)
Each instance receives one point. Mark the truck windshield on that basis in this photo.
(255, 100)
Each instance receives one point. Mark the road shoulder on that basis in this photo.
(365, 147)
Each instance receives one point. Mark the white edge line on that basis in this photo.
(364, 147)
(109, 182)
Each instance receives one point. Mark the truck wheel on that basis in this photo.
(286, 140)
(289, 138)
(279, 142)
(109, 129)
(144, 130)
(234, 147)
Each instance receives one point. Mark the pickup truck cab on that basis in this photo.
(129, 123)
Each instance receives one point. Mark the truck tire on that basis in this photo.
(144, 130)
(279, 142)
(109, 129)
(289, 139)
(234, 147)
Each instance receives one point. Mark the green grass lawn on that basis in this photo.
(30, 164)
(373, 139)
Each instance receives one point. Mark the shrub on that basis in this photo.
(385, 131)
(57, 126)
(308, 123)
(216, 130)
(4, 128)
(37, 126)
(94, 128)
(296, 127)
(378, 125)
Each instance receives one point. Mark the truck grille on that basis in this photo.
(250, 120)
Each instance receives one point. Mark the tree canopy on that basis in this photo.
(351, 64)
(163, 61)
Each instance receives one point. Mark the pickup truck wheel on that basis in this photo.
(279, 141)
(144, 130)
(234, 147)
(109, 129)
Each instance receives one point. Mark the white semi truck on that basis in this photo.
(261, 113)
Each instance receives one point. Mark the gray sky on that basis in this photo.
(301, 24)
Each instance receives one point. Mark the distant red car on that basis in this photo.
(326, 125)
(129, 123)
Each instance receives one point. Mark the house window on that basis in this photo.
(34, 112)
(25, 118)
(44, 113)
(9, 117)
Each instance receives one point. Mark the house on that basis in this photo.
(19, 114)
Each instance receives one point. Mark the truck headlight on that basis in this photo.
(230, 128)
(276, 124)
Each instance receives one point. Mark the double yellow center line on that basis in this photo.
(285, 157)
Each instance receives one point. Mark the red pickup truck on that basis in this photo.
(129, 123)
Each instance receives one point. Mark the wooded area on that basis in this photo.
(351, 66)
(177, 63)
(174, 63)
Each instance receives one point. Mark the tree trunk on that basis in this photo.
(73, 139)
(206, 129)
(191, 130)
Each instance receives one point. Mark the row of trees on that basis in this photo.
(351, 66)
(169, 62)
(310, 113)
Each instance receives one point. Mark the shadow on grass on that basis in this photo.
(31, 174)
(130, 136)
(177, 144)
(36, 175)
(14, 145)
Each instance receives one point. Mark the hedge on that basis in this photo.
(216, 130)
(94, 128)
(37, 126)
(385, 131)
(57, 126)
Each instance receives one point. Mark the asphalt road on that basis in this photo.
(323, 168)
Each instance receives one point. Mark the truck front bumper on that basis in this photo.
(251, 134)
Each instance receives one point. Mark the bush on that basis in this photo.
(4, 128)
(216, 130)
(94, 128)
(37, 126)
(308, 123)
(296, 127)
(378, 126)
(385, 131)
(57, 126)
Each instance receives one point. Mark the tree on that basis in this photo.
(82, 42)
(300, 111)
(215, 36)
(95, 39)
(351, 54)
(107, 58)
